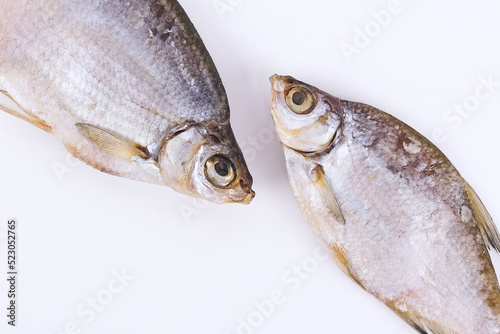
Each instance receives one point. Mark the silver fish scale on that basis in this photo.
(415, 212)
(134, 67)
(394, 212)
(392, 141)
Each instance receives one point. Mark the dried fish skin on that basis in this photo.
(129, 72)
(395, 214)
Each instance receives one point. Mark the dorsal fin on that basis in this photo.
(483, 220)
(111, 143)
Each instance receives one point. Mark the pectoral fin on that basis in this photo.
(325, 190)
(484, 220)
(112, 143)
(28, 117)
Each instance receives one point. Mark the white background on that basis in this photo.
(200, 268)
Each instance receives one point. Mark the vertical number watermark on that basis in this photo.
(11, 271)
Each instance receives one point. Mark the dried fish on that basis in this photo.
(128, 87)
(395, 214)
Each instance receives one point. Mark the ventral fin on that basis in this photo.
(421, 325)
(112, 143)
(339, 255)
(27, 116)
(325, 190)
(483, 220)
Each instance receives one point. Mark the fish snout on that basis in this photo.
(278, 83)
(242, 192)
(277, 93)
(274, 78)
(248, 198)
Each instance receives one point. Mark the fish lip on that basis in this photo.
(247, 199)
(273, 78)
(278, 82)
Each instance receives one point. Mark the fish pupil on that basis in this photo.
(298, 98)
(222, 168)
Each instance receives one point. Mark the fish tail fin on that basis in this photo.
(483, 220)
(28, 117)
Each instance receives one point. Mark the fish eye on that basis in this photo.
(300, 100)
(220, 171)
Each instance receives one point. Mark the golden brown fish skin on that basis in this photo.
(135, 69)
(407, 231)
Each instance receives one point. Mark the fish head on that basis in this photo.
(205, 161)
(306, 119)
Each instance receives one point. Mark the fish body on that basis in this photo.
(395, 214)
(128, 87)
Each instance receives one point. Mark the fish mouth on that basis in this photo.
(278, 82)
(275, 80)
(245, 199)
(248, 198)
(241, 192)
